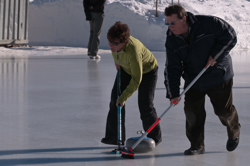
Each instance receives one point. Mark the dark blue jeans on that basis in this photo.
(146, 106)
(221, 99)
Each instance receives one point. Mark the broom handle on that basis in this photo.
(119, 114)
(186, 89)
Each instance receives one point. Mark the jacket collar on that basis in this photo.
(191, 19)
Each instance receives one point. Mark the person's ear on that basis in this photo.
(184, 18)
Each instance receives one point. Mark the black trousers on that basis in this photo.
(145, 101)
(221, 99)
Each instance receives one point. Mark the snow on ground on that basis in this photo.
(62, 22)
(22, 52)
(58, 27)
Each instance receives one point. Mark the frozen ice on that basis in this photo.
(53, 111)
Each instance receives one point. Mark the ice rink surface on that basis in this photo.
(53, 111)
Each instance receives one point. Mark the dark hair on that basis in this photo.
(175, 9)
(119, 31)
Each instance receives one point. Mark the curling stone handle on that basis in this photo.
(140, 132)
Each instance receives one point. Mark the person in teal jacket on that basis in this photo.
(139, 70)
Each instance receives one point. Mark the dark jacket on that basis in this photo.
(209, 35)
(98, 5)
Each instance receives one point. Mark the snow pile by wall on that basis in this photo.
(62, 22)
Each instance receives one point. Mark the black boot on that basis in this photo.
(232, 144)
(194, 151)
(110, 141)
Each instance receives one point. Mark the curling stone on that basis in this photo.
(146, 145)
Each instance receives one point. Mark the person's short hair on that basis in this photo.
(119, 31)
(175, 9)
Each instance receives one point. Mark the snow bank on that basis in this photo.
(62, 22)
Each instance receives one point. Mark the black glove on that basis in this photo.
(88, 16)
